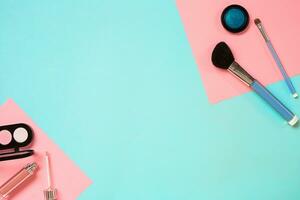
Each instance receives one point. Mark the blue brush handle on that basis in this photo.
(281, 68)
(273, 101)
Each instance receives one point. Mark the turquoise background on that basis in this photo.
(115, 84)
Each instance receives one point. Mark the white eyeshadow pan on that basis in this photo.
(20, 135)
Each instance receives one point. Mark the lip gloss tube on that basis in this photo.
(14, 182)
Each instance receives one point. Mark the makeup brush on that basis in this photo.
(223, 58)
(276, 57)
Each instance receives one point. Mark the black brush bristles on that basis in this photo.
(222, 56)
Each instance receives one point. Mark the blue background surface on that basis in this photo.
(114, 83)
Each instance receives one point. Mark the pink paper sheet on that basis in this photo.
(201, 19)
(67, 177)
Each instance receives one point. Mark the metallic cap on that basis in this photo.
(31, 167)
(50, 194)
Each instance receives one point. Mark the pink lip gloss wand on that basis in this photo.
(50, 193)
(18, 179)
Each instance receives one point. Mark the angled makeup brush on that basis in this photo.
(222, 57)
(276, 58)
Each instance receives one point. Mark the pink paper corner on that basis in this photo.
(68, 178)
(201, 20)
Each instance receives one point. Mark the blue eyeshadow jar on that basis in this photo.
(235, 18)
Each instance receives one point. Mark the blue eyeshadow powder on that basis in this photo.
(235, 18)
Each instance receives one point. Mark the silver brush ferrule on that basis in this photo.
(240, 73)
(262, 31)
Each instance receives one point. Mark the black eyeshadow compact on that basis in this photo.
(12, 138)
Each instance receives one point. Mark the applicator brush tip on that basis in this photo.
(257, 21)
